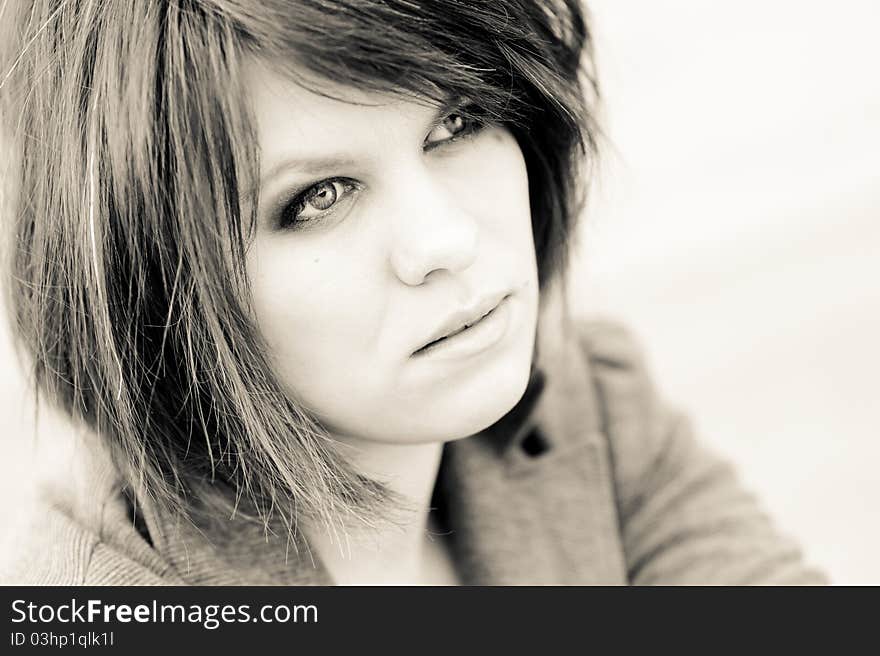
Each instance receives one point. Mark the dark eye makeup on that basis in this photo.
(461, 123)
(325, 196)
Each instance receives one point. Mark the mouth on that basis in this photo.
(484, 313)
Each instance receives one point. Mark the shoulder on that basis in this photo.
(49, 546)
(77, 529)
(45, 547)
(684, 515)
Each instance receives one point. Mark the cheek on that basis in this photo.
(316, 312)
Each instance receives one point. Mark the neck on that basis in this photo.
(395, 551)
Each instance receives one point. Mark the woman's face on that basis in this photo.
(383, 225)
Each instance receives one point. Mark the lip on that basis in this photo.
(465, 317)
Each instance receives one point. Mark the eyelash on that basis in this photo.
(289, 214)
(288, 218)
(473, 125)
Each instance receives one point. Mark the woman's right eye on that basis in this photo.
(317, 202)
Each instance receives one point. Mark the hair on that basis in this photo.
(131, 141)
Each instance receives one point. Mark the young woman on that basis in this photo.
(296, 269)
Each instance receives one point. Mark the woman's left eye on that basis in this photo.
(455, 125)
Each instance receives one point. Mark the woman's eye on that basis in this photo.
(453, 126)
(317, 201)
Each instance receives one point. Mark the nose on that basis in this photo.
(432, 230)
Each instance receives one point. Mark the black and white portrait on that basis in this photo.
(432, 292)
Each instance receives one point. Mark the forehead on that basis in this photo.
(315, 116)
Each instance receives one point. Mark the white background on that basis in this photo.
(736, 228)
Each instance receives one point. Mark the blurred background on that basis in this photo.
(735, 227)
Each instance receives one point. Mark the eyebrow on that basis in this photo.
(318, 165)
(326, 165)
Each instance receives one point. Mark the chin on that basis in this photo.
(490, 411)
(474, 408)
